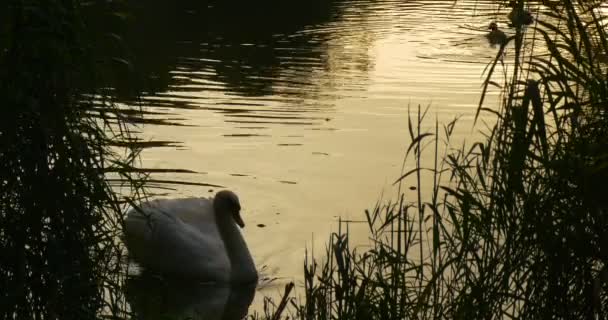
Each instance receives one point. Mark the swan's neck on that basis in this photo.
(242, 267)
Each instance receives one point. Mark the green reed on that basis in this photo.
(515, 225)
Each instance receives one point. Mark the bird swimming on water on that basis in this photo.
(496, 36)
(519, 16)
(195, 238)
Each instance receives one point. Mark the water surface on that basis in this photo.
(304, 113)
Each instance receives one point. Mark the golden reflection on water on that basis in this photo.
(311, 124)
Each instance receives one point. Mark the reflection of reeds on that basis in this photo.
(520, 228)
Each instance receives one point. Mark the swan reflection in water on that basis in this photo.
(152, 297)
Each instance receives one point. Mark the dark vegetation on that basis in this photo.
(66, 150)
(515, 225)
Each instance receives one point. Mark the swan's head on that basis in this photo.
(227, 203)
(493, 26)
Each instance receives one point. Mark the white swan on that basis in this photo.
(192, 238)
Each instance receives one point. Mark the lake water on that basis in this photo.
(303, 113)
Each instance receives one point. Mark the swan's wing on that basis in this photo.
(183, 249)
(160, 240)
(196, 212)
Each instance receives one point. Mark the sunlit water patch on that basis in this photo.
(306, 121)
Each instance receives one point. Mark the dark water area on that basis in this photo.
(237, 41)
(154, 298)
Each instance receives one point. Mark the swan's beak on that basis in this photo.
(238, 219)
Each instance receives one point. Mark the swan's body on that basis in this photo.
(496, 36)
(192, 238)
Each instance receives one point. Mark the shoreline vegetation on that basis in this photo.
(516, 225)
(58, 214)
